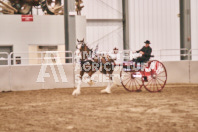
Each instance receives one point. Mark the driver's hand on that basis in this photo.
(141, 52)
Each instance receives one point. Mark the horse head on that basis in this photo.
(84, 49)
(81, 45)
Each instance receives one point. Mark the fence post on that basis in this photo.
(189, 54)
(9, 59)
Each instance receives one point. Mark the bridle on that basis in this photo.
(82, 49)
(82, 46)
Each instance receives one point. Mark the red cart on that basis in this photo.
(152, 75)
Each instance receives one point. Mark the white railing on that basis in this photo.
(173, 54)
(4, 58)
(36, 58)
(163, 54)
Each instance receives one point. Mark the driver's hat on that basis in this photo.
(147, 42)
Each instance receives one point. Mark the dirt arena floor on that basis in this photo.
(174, 109)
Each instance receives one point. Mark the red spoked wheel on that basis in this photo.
(154, 76)
(131, 80)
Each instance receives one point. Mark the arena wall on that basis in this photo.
(24, 78)
(5, 78)
(193, 72)
(20, 78)
(50, 81)
(177, 71)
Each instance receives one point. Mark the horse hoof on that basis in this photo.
(106, 91)
(76, 93)
(91, 83)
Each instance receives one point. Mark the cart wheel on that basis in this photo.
(154, 76)
(131, 81)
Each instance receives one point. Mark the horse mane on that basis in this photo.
(89, 48)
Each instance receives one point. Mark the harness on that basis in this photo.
(90, 60)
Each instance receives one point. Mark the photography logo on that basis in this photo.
(52, 59)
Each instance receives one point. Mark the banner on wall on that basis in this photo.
(27, 18)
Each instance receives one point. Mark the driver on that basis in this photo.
(146, 53)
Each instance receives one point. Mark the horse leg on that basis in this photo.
(76, 92)
(90, 82)
(109, 86)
